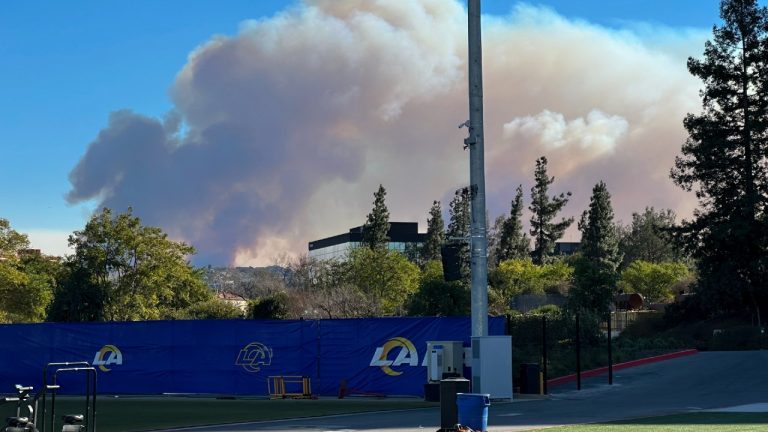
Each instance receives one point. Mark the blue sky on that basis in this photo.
(64, 66)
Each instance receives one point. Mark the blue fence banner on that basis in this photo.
(378, 356)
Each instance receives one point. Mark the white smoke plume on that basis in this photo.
(281, 133)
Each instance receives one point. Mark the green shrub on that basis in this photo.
(274, 306)
(211, 309)
(654, 281)
(688, 310)
(647, 324)
(550, 311)
(739, 338)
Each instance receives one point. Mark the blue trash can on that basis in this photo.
(473, 410)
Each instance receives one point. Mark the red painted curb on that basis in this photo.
(619, 366)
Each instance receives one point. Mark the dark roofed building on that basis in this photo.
(402, 235)
(567, 248)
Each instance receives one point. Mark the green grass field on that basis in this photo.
(690, 422)
(131, 414)
(134, 414)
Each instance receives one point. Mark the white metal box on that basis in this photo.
(492, 366)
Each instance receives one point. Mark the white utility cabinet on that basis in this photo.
(492, 366)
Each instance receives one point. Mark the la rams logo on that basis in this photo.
(406, 354)
(254, 355)
(107, 355)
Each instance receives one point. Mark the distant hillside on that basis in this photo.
(249, 282)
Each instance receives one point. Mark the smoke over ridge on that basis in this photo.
(281, 133)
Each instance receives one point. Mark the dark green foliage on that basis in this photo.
(274, 306)
(440, 298)
(513, 243)
(11, 241)
(414, 253)
(550, 311)
(494, 236)
(124, 271)
(210, 309)
(599, 238)
(436, 297)
(376, 228)
(595, 273)
(629, 348)
(78, 298)
(459, 224)
(724, 162)
(435, 233)
(739, 338)
(458, 228)
(644, 324)
(544, 232)
(527, 342)
(526, 332)
(690, 309)
(649, 238)
(689, 322)
(27, 278)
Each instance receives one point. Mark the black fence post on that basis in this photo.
(610, 351)
(578, 354)
(544, 353)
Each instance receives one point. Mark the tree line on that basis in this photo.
(123, 270)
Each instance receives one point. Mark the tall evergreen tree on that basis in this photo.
(513, 242)
(494, 238)
(376, 228)
(595, 273)
(545, 233)
(648, 238)
(458, 227)
(459, 211)
(725, 161)
(435, 233)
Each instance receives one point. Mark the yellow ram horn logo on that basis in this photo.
(406, 355)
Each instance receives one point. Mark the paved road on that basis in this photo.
(703, 381)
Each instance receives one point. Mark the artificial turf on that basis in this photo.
(131, 414)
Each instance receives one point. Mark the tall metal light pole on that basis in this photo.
(478, 241)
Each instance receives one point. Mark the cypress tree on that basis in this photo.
(494, 238)
(544, 232)
(513, 243)
(376, 228)
(595, 273)
(725, 161)
(458, 228)
(435, 233)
